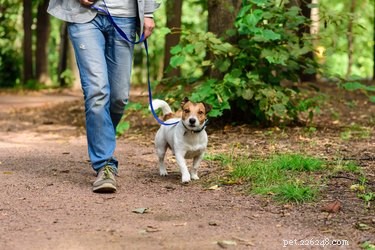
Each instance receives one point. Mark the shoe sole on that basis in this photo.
(105, 188)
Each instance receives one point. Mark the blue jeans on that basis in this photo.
(104, 60)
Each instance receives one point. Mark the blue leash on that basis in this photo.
(141, 39)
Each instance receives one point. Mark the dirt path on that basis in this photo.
(46, 200)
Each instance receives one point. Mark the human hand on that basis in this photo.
(87, 2)
(149, 25)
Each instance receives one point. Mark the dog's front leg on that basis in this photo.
(181, 162)
(196, 162)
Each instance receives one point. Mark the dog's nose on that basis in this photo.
(192, 120)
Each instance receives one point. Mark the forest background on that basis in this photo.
(252, 56)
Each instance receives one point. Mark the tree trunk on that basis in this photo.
(63, 54)
(350, 39)
(42, 33)
(221, 17)
(306, 12)
(174, 13)
(27, 42)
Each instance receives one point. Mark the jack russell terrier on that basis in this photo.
(187, 139)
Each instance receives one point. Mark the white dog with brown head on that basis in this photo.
(187, 138)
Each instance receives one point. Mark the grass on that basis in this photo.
(355, 131)
(286, 178)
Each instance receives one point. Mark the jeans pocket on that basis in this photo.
(128, 26)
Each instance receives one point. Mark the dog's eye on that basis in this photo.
(186, 111)
(200, 112)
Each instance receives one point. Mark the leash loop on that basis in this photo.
(141, 39)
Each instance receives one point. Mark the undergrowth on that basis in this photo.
(284, 177)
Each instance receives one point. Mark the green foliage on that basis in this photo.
(334, 18)
(68, 77)
(10, 44)
(367, 245)
(357, 86)
(122, 127)
(268, 51)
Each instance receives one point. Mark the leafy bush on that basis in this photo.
(10, 57)
(268, 51)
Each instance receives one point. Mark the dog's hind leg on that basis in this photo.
(161, 154)
(194, 171)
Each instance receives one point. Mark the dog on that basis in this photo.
(187, 139)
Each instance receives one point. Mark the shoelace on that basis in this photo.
(107, 172)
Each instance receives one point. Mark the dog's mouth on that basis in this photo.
(191, 126)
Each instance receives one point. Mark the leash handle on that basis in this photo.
(141, 39)
(118, 29)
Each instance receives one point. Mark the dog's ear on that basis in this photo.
(184, 101)
(207, 107)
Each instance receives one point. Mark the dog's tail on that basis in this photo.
(163, 105)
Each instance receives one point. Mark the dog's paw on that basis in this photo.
(186, 178)
(163, 172)
(194, 176)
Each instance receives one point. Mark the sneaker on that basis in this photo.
(105, 181)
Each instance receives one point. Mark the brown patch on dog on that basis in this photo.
(168, 116)
(197, 109)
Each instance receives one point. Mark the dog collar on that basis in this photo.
(195, 131)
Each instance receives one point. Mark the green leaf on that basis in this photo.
(247, 94)
(189, 48)
(271, 35)
(279, 109)
(199, 47)
(223, 65)
(206, 63)
(372, 98)
(259, 2)
(253, 19)
(177, 61)
(176, 49)
(164, 31)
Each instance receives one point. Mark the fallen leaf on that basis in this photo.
(140, 210)
(362, 226)
(180, 224)
(7, 172)
(243, 241)
(152, 229)
(226, 243)
(332, 207)
(214, 187)
(357, 187)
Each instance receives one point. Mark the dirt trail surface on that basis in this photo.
(46, 200)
